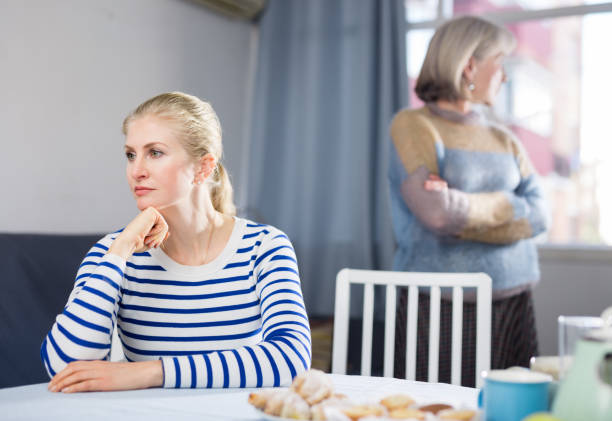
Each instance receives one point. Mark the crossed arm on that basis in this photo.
(490, 217)
(498, 217)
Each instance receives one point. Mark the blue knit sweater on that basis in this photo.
(487, 218)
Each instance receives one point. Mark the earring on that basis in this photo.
(471, 86)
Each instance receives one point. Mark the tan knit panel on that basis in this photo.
(470, 137)
(503, 234)
(414, 133)
(489, 209)
(414, 137)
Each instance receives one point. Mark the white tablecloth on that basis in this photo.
(34, 402)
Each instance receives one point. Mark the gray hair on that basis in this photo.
(450, 49)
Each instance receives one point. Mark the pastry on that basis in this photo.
(313, 386)
(311, 397)
(457, 414)
(397, 401)
(434, 408)
(318, 412)
(275, 403)
(356, 412)
(258, 399)
(407, 413)
(295, 407)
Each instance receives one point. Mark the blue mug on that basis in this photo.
(511, 395)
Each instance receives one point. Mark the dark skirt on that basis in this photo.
(513, 343)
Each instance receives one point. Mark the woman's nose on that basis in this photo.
(139, 170)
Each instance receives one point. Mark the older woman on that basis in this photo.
(201, 298)
(465, 197)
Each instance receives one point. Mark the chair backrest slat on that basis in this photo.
(413, 280)
(434, 334)
(457, 329)
(411, 331)
(390, 308)
(341, 323)
(368, 321)
(483, 324)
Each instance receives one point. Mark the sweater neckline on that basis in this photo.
(472, 118)
(215, 265)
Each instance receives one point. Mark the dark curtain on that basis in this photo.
(330, 76)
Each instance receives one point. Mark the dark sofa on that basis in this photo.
(36, 276)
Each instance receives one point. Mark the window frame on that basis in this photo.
(445, 11)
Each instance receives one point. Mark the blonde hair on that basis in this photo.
(200, 133)
(449, 52)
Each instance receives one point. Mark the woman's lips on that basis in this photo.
(141, 191)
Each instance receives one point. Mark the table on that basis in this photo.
(35, 402)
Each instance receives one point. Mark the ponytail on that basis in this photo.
(222, 192)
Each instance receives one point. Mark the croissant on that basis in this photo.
(318, 411)
(295, 407)
(397, 401)
(275, 403)
(364, 411)
(313, 386)
(260, 398)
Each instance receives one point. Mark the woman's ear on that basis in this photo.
(469, 71)
(206, 166)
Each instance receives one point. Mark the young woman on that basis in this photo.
(465, 197)
(200, 297)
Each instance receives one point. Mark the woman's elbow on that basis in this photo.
(56, 355)
(44, 356)
(302, 369)
(540, 223)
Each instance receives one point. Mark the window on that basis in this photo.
(555, 100)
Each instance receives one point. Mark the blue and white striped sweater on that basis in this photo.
(238, 321)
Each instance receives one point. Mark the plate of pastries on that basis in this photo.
(311, 396)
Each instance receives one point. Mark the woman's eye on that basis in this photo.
(130, 156)
(155, 153)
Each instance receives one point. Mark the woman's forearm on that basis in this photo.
(95, 376)
(505, 234)
(121, 248)
(153, 373)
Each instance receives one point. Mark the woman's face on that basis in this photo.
(488, 76)
(159, 171)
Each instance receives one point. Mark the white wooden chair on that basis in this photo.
(412, 280)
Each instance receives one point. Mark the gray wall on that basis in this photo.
(70, 70)
(575, 282)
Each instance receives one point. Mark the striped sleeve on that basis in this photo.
(83, 330)
(285, 349)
